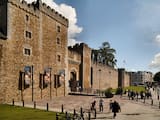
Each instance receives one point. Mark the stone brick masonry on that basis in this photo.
(41, 24)
(35, 36)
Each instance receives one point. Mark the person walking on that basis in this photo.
(101, 105)
(110, 106)
(93, 104)
(115, 108)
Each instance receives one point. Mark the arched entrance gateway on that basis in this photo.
(73, 81)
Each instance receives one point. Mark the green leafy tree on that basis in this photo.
(157, 77)
(105, 55)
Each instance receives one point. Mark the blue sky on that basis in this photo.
(132, 27)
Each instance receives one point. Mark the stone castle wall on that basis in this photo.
(3, 82)
(104, 77)
(48, 49)
(74, 61)
(107, 77)
(126, 79)
(43, 45)
(86, 66)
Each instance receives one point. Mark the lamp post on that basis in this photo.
(32, 82)
(50, 74)
(99, 79)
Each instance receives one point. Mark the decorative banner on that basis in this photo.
(27, 76)
(62, 77)
(47, 76)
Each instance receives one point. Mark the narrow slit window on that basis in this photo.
(58, 28)
(27, 18)
(58, 58)
(58, 41)
(27, 51)
(28, 34)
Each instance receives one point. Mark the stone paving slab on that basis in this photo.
(130, 109)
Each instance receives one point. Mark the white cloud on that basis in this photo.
(70, 13)
(157, 39)
(73, 42)
(155, 62)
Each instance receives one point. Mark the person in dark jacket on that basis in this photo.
(93, 104)
(115, 108)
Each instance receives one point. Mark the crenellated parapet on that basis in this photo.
(36, 7)
(80, 47)
(53, 14)
(72, 54)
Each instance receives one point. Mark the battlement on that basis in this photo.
(79, 48)
(36, 7)
(72, 54)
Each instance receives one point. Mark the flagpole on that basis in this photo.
(32, 81)
(22, 84)
(41, 82)
(50, 84)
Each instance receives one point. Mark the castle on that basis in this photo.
(35, 62)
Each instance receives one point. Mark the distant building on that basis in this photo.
(140, 77)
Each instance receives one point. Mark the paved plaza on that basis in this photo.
(130, 109)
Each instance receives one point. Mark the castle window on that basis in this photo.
(58, 58)
(58, 41)
(28, 34)
(27, 18)
(58, 28)
(27, 51)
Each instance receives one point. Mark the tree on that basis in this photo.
(108, 54)
(105, 55)
(157, 77)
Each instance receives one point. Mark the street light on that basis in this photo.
(50, 74)
(99, 79)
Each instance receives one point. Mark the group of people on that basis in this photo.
(113, 106)
(132, 94)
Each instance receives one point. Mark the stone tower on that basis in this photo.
(33, 38)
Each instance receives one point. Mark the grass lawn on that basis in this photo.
(8, 112)
(136, 88)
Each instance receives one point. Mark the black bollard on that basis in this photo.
(47, 106)
(56, 116)
(13, 102)
(66, 115)
(23, 103)
(89, 115)
(152, 102)
(95, 114)
(34, 104)
(158, 97)
(81, 112)
(62, 108)
(74, 112)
